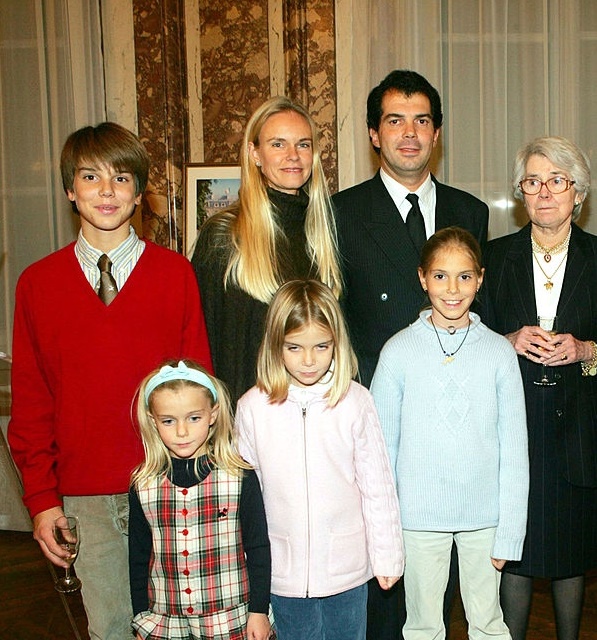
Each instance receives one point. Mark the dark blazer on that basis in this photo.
(382, 293)
(509, 304)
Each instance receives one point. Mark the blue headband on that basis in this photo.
(180, 372)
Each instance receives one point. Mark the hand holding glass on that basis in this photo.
(66, 534)
(549, 324)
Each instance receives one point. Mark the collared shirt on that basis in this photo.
(124, 258)
(547, 299)
(426, 193)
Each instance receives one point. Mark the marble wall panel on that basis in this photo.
(309, 51)
(321, 69)
(234, 72)
(161, 88)
(236, 68)
(296, 50)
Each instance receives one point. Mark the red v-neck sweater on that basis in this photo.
(77, 364)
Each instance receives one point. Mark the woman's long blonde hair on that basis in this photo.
(253, 262)
(220, 443)
(296, 304)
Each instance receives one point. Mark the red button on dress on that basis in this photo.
(188, 590)
(185, 553)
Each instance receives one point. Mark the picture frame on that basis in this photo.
(207, 188)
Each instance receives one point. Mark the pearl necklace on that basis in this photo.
(548, 253)
(449, 356)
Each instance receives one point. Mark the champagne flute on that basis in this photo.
(549, 324)
(66, 534)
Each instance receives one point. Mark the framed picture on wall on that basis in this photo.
(208, 188)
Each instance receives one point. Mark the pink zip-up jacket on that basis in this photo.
(330, 499)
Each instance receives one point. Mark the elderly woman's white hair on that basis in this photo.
(565, 155)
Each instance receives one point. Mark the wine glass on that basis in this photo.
(66, 534)
(549, 324)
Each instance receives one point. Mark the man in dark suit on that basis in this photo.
(382, 290)
(380, 253)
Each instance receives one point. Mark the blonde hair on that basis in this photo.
(296, 304)
(253, 261)
(565, 155)
(220, 443)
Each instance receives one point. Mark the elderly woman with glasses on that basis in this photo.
(541, 293)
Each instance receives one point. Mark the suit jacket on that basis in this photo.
(382, 293)
(509, 304)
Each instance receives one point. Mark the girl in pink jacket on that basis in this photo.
(313, 436)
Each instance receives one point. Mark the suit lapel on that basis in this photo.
(387, 229)
(579, 256)
(520, 276)
(443, 210)
(448, 213)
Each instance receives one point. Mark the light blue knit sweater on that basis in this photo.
(456, 432)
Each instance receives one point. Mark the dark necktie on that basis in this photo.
(107, 285)
(415, 223)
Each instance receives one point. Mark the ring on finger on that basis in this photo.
(564, 357)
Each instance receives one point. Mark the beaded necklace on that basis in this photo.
(552, 251)
(547, 255)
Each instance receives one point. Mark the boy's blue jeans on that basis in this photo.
(337, 617)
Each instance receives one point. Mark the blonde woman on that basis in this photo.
(281, 228)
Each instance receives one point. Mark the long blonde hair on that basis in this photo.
(253, 261)
(296, 304)
(220, 443)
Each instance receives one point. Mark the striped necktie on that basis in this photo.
(107, 285)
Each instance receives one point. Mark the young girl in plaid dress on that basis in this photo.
(199, 552)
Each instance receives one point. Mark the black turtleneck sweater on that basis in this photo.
(235, 321)
(253, 529)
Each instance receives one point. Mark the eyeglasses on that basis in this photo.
(557, 184)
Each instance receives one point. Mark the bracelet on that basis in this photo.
(590, 368)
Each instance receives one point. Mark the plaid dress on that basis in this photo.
(198, 584)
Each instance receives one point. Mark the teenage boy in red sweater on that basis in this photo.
(77, 361)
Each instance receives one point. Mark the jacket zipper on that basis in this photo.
(304, 414)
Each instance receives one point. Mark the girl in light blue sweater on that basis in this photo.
(451, 404)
